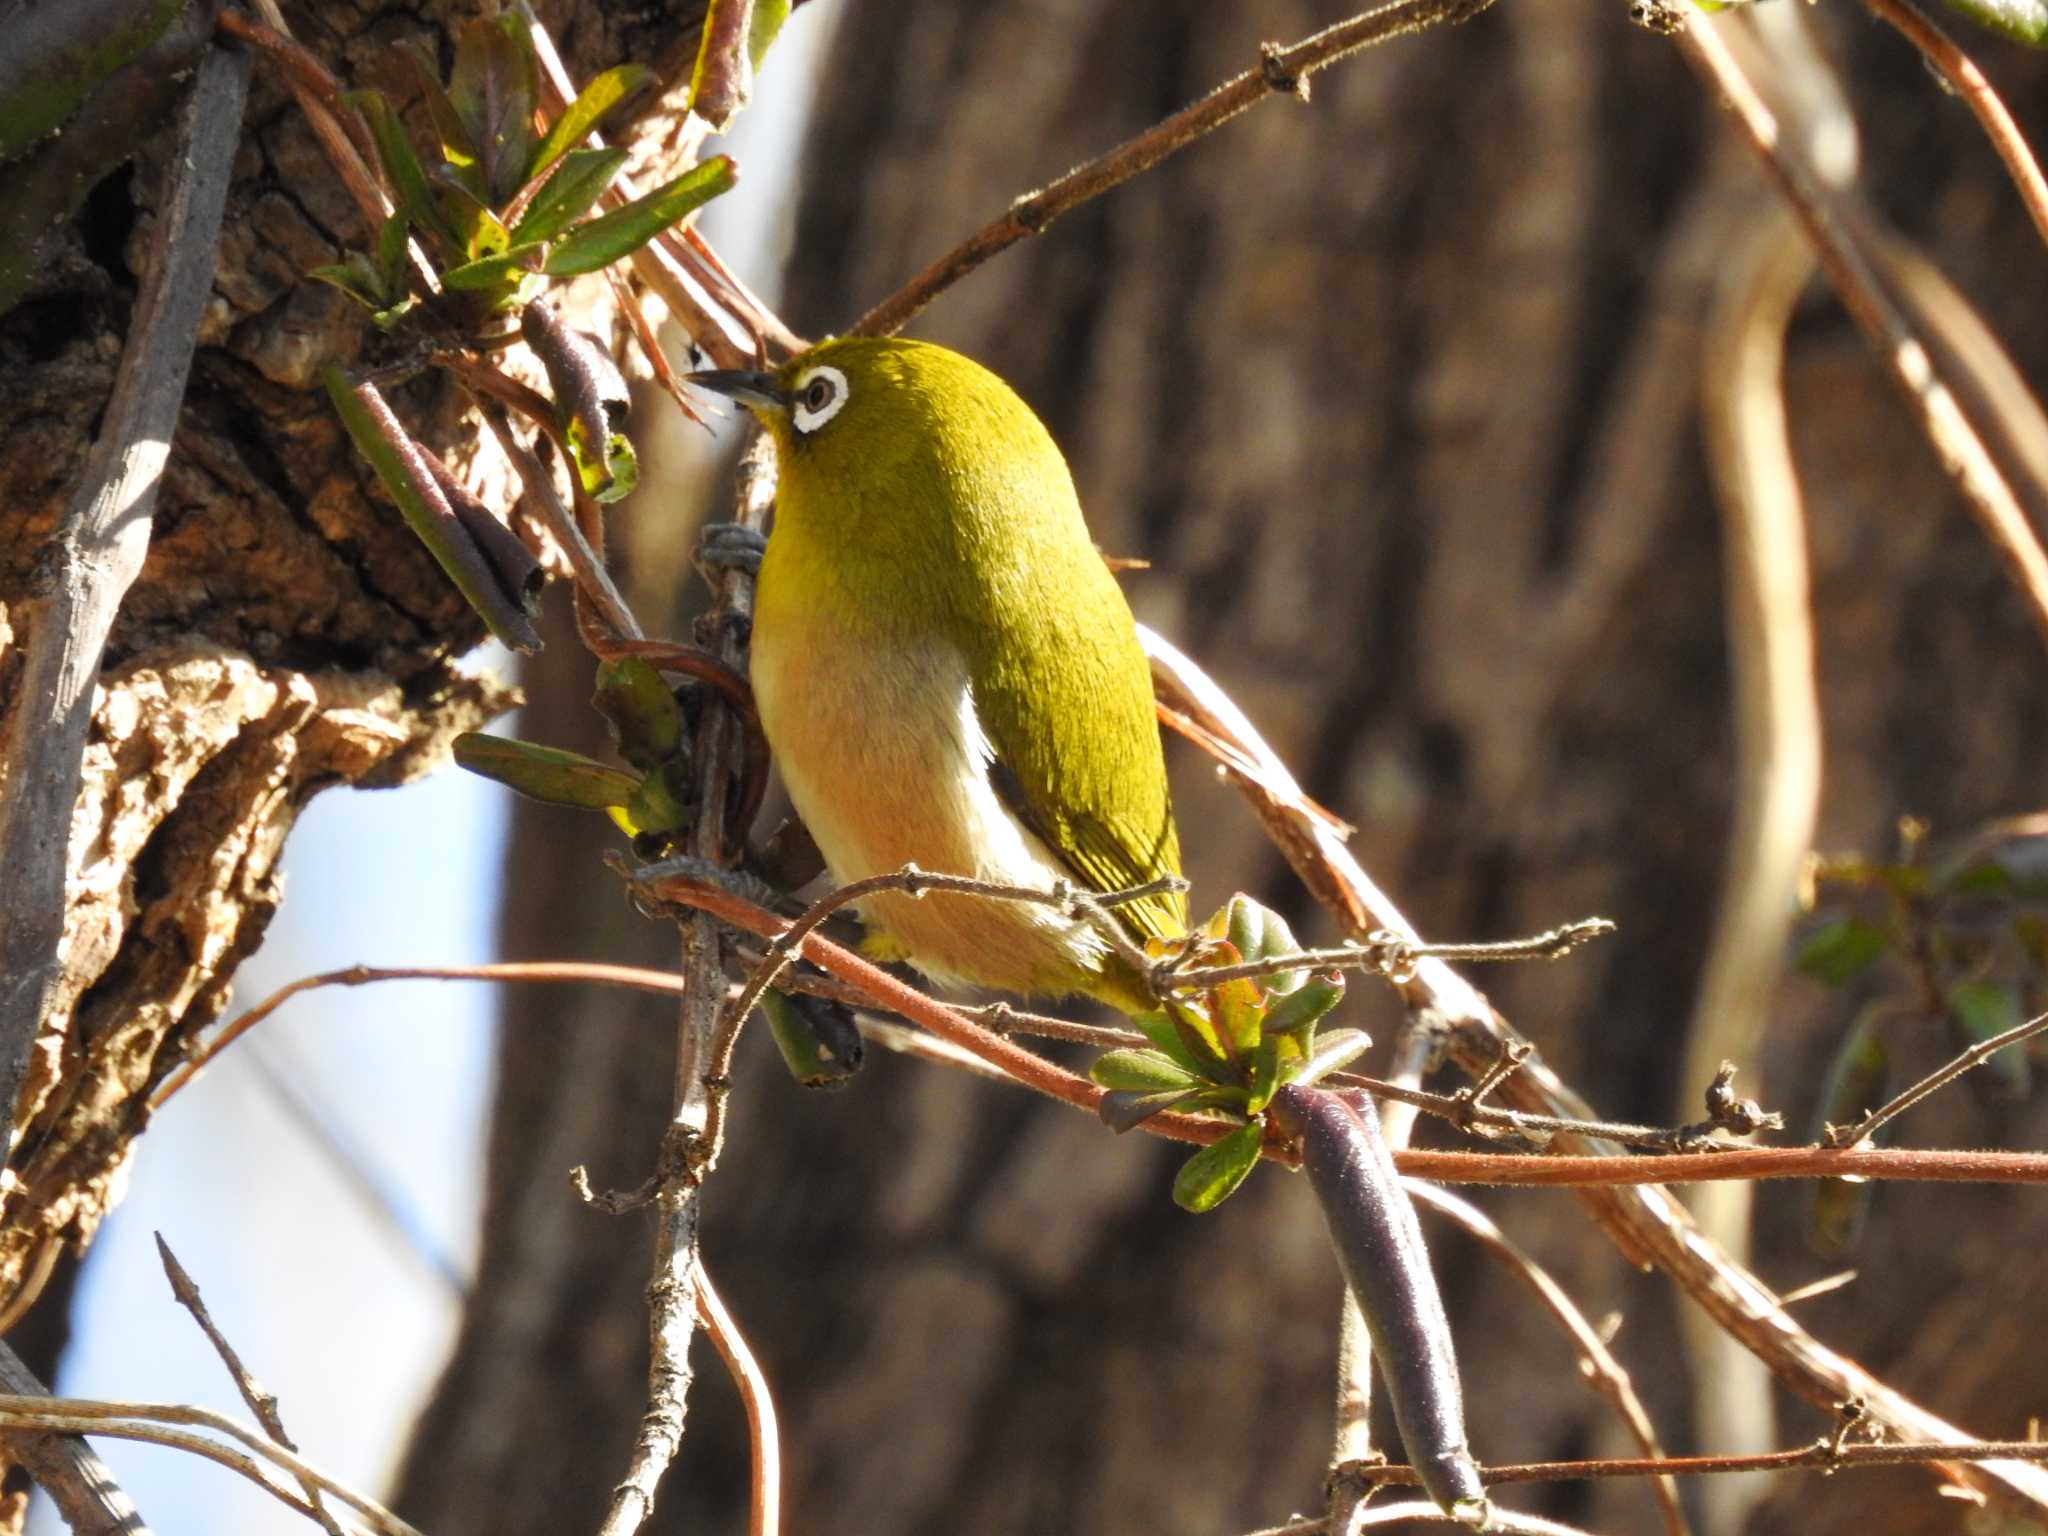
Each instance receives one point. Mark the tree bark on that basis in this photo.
(286, 634)
(1398, 391)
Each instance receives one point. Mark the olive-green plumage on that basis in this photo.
(946, 670)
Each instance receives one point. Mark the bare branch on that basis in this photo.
(1968, 82)
(764, 1516)
(1281, 71)
(261, 1403)
(96, 553)
(1934, 1082)
(1899, 347)
(67, 1469)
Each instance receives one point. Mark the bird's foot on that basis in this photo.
(730, 547)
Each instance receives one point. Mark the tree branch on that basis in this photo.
(95, 555)
(1281, 71)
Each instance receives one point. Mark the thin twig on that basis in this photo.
(689, 1146)
(261, 1403)
(1596, 1361)
(764, 1508)
(1394, 955)
(1508, 1522)
(70, 1471)
(158, 1423)
(593, 581)
(1885, 326)
(1281, 71)
(95, 555)
(1933, 1082)
(1967, 81)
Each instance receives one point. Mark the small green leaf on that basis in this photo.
(818, 1039)
(487, 236)
(1209, 1177)
(1164, 1034)
(659, 804)
(1266, 1074)
(493, 89)
(1299, 1010)
(579, 181)
(1134, 1071)
(586, 111)
(605, 239)
(392, 253)
(2024, 21)
(1334, 1051)
(646, 722)
(356, 277)
(458, 147)
(1190, 1020)
(762, 27)
(415, 194)
(1835, 952)
(544, 773)
(1238, 1009)
(491, 271)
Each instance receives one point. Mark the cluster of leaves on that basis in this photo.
(1227, 1049)
(1951, 938)
(652, 800)
(503, 207)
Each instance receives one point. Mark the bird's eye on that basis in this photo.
(819, 396)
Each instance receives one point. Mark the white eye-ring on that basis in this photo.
(819, 395)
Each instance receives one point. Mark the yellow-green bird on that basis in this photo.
(946, 671)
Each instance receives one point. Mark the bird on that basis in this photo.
(947, 673)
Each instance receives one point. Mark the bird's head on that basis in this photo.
(849, 411)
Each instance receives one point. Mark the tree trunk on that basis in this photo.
(1398, 392)
(287, 633)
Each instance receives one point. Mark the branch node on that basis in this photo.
(1280, 79)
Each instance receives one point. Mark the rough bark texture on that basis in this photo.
(1399, 392)
(287, 634)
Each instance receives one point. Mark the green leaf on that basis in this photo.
(1164, 1034)
(1299, 1010)
(486, 236)
(818, 1039)
(1135, 1071)
(1191, 1022)
(586, 111)
(605, 239)
(1266, 1074)
(458, 146)
(2024, 21)
(491, 271)
(646, 722)
(762, 27)
(1334, 1051)
(493, 89)
(355, 276)
(408, 178)
(579, 181)
(659, 804)
(1208, 1178)
(544, 773)
(391, 253)
(1238, 1008)
(451, 545)
(1835, 952)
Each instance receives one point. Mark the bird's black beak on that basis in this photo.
(752, 389)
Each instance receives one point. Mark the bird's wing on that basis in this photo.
(1089, 779)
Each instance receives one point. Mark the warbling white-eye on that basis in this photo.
(946, 671)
